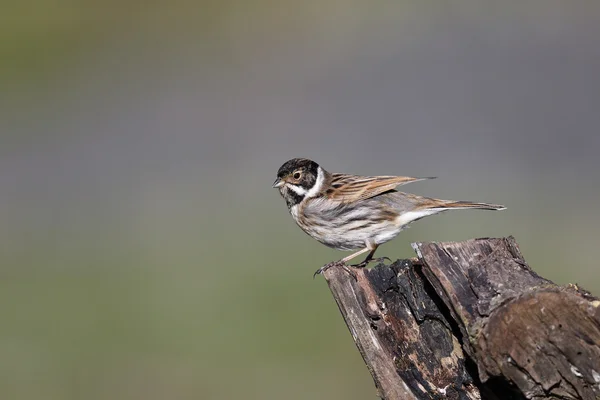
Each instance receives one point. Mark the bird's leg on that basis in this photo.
(369, 258)
(372, 247)
(358, 253)
(342, 262)
(366, 261)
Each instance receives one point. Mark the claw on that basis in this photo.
(350, 272)
(381, 259)
(366, 262)
(321, 270)
(324, 268)
(335, 264)
(360, 264)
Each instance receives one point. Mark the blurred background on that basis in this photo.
(143, 252)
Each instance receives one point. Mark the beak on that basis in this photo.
(278, 183)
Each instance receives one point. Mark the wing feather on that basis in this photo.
(349, 188)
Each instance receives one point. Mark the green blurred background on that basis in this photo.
(143, 252)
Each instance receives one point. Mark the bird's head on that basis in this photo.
(299, 178)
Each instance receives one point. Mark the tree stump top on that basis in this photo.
(471, 320)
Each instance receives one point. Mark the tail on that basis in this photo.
(425, 206)
(457, 205)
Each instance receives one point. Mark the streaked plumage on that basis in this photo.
(350, 212)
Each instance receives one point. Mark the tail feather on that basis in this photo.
(430, 206)
(469, 204)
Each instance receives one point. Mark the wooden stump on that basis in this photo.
(471, 320)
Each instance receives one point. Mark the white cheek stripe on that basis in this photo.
(318, 184)
(297, 189)
(300, 191)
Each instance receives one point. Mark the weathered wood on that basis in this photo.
(471, 320)
(404, 338)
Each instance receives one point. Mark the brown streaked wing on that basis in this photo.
(348, 188)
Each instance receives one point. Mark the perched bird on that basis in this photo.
(350, 212)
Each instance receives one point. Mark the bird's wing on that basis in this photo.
(348, 188)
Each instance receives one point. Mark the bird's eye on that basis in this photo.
(297, 175)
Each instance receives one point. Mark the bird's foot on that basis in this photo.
(366, 262)
(339, 264)
(382, 259)
(327, 266)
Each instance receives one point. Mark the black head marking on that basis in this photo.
(309, 167)
(291, 198)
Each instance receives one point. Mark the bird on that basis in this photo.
(352, 212)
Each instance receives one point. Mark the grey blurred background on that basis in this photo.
(143, 252)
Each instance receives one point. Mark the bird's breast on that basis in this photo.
(345, 226)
